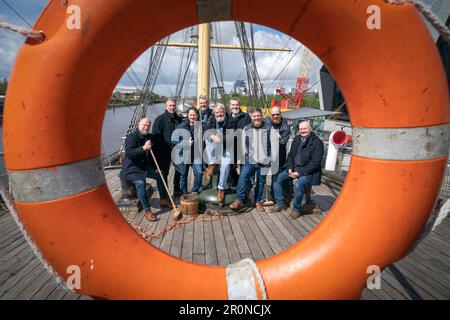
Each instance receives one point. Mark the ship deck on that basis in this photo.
(422, 274)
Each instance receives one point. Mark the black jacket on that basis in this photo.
(309, 160)
(162, 129)
(240, 120)
(204, 117)
(137, 161)
(285, 131)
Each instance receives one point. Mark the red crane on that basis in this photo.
(301, 85)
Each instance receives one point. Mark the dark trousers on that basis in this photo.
(165, 166)
(247, 172)
(141, 188)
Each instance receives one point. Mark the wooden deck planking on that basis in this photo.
(188, 243)
(232, 247)
(210, 245)
(221, 246)
(199, 244)
(25, 276)
(259, 237)
(272, 234)
(241, 243)
(423, 274)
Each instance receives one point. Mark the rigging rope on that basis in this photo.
(428, 14)
(17, 13)
(257, 96)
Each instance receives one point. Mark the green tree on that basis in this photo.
(3, 86)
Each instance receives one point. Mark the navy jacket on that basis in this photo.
(285, 131)
(137, 161)
(309, 160)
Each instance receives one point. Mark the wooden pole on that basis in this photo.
(177, 214)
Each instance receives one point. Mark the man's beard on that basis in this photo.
(235, 111)
(276, 121)
(220, 119)
(257, 124)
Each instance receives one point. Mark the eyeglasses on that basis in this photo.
(275, 114)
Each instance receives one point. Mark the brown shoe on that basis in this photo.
(278, 208)
(295, 214)
(220, 195)
(210, 170)
(165, 203)
(236, 204)
(259, 207)
(150, 215)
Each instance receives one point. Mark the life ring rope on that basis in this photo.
(428, 14)
(240, 281)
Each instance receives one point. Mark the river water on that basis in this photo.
(115, 125)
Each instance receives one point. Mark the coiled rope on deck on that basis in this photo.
(160, 232)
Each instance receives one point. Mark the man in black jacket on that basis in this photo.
(163, 128)
(139, 165)
(304, 164)
(239, 117)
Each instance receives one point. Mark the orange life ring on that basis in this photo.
(394, 86)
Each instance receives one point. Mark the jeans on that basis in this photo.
(248, 170)
(225, 162)
(198, 170)
(142, 193)
(141, 188)
(299, 189)
(224, 171)
(285, 186)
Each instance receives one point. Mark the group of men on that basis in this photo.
(212, 138)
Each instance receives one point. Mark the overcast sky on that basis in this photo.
(274, 68)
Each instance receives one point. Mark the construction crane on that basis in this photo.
(302, 82)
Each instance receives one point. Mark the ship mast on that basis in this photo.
(204, 53)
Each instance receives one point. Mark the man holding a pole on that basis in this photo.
(139, 165)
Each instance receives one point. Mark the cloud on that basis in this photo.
(274, 68)
(10, 45)
(10, 42)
